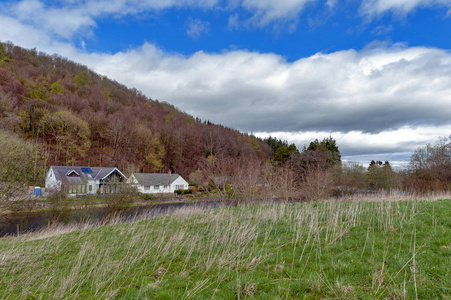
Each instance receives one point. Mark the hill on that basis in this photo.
(75, 116)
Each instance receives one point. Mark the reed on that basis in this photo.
(370, 247)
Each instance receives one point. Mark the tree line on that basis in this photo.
(77, 117)
(57, 112)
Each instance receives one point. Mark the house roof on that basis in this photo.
(82, 174)
(147, 179)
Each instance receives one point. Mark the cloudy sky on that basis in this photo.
(373, 74)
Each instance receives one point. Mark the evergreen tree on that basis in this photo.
(327, 146)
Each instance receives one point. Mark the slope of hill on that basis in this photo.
(79, 117)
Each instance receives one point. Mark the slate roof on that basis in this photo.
(98, 173)
(147, 179)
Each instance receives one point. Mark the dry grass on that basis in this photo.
(368, 248)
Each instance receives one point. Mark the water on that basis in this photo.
(20, 223)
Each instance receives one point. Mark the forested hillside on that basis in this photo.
(72, 115)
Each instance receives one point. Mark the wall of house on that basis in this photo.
(51, 184)
(179, 183)
(152, 189)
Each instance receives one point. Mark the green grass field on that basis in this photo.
(366, 250)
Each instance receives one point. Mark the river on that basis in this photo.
(22, 223)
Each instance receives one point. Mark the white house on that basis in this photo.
(84, 180)
(152, 183)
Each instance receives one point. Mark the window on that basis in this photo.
(179, 187)
(90, 188)
(156, 187)
(147, 187)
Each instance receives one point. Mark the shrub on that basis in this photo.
(148, 197)
(183, 192)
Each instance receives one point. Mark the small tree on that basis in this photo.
(433, 162)
(317, 184)
(382, 176)
(21, 162)
(351, 178)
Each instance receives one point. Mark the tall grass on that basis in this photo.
(357, 249)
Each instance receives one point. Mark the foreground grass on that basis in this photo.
(368, 250)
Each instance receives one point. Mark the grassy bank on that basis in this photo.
(368, 250)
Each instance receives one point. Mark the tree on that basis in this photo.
(57, 87)
(3, 53)
(433, 162)
(382, 176)
(70, 134)
(284, 153)
(148, 148)
(21, 161)
(351, 178)
(329, 147)
(82, 78)
(32, 113)
(275, 143)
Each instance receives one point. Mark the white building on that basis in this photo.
(153, 183)
(84, 180)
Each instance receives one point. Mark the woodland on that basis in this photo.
(57, 112)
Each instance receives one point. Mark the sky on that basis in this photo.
(373, 74)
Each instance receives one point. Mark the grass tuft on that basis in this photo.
(371, 248)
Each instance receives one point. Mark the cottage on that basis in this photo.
(84, 180)
(152, 183)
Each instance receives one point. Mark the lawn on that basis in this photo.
(366, 250)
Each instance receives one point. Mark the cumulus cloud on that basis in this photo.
(384, 98)
(370, 91)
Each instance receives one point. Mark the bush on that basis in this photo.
(58, 207)
(183, 192)
(148, 197)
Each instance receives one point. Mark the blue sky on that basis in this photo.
(374, 74)
(316, 29)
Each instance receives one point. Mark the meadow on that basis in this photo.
(375, 248)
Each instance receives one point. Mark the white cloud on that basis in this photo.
(378, 99)
(196, 28)
(395, 145)
(66, 18)
(374, 90)
(402, 7)
(267, 11)
(382, 30)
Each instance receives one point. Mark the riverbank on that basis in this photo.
(42, 204)
(359, 249)
(95, 211)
